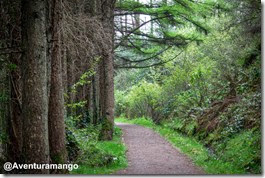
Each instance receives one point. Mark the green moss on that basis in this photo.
(59, 157)
(106, 130)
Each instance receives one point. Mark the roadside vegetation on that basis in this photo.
(94, 156)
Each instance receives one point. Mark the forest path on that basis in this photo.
(149, 153)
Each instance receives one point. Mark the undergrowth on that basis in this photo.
(101, 157)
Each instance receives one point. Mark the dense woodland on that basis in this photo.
(68, 67)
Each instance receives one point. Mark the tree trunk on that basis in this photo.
(64, 71)
(70, 82)
(107, 72)
(34, 97)
(56, 102)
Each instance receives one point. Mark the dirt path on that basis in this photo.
(149, 153)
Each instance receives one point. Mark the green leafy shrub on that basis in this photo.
(141, 100)
(121, 103)
(244, 151)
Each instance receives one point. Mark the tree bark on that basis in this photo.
(70, 81)
(107, 72)
(56, 101)
(34, 97)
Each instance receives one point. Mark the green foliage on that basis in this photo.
(94, 157)
(244, 150)
(77, 105)
(11, 66)
(120, 102)
(79, 115)
(174, 23)
(142, 99)
(79, 140)
(102, 157)
(85, 77)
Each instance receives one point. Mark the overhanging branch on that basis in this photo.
(152, 65)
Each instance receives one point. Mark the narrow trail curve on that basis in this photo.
(149, 153)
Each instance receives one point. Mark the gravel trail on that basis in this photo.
(149, 153)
